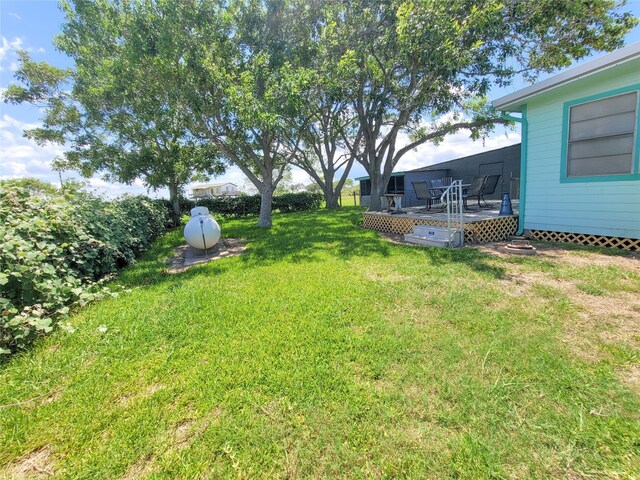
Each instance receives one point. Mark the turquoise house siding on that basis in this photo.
(591, 205)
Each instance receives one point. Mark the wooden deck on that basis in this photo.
(480, 226)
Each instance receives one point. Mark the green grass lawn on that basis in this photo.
(349, 200)
(327, 352)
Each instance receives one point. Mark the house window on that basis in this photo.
(365, 187)
(396, 185)
(602, 137)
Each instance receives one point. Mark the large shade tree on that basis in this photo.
(124, 116)
(246, 85)
(324, 121)
(323, 113)
(160, 87)
(415, 71)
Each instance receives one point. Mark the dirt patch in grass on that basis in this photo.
(189, 428)
(126, 400)
(182, 433)
(37, 401)
(630, 376)
(140, 469)
(153, 388)
(603, 322)
(602, 319)
(577, 258)
(581, 258)
(587, 336)
(53, 397)
(610, 318)
(520, 284)
(35, 465)
(394, 238)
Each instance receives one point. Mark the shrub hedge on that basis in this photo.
(246, 205)
(57, 248)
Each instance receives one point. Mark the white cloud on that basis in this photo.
(300, 176)
(453, 146)
(21, 157)
(7, 121)
(103, 188)
(7, 46)
(8, 49)
(15, 15)
(235, 175)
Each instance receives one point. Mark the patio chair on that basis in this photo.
(446, 181)
(423, 192)
(490, 184)
(474, 190)
(437, 187)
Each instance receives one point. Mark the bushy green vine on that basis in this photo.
(57, 248)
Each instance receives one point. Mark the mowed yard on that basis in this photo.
(326, 351)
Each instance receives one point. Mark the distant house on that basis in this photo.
(502, 161)
(580, 172)
(208, 190)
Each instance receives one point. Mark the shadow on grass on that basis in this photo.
(294, 238)
(304, 237)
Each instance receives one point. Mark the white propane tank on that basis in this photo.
(201, 231)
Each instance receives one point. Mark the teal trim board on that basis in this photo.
(635, 175)
(394, 174)
(524, 134)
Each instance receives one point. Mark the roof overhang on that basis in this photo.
(394, 174)
(210, 185)
(514, 101)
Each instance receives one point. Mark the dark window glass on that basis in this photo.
(396, 185)
(602, 136)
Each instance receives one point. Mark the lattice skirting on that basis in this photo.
(632, 244)
(490, 230)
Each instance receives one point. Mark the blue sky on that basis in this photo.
(32, 24)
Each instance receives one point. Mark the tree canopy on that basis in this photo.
(415, 71)
(246, 86)
(167, 91)
(125, 115)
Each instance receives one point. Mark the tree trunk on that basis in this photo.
(266, 199)
(377, 190)
(175, 203)
(331, 198)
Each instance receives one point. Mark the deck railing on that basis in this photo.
(453, 199)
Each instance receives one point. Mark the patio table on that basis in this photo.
(395, 202)
(443, 188)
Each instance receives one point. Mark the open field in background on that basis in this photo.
(328, 352)
(348, 199)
